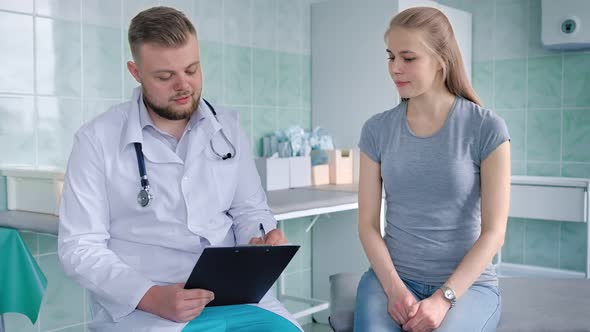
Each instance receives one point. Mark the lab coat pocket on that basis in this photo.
(201, 196)
(225, 176)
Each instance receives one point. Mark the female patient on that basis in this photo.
(444, 163)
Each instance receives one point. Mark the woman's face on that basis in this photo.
(413, 70)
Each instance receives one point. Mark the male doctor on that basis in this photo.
(132, 236)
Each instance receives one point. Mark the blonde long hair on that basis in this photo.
(442, 45)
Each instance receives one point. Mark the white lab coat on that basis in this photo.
(117, 249)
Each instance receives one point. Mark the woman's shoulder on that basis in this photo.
(483, 122)
(474, 113)
(386, 117)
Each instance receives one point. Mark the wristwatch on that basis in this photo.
(449, 295)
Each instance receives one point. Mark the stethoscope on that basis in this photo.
(144, 197)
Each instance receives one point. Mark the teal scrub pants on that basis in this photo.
(239, 318)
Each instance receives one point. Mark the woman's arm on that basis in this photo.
(400, 299)
(495, 198)
(495, 201)
(369, 227)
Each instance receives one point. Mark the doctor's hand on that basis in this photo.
(175, 303)
(273, 238)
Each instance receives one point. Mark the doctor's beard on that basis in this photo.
(167, 112)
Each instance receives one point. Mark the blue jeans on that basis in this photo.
(477, 310)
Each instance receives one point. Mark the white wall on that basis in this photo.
(350, 81)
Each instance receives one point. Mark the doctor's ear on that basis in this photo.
(134, 70)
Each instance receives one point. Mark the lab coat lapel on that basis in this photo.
(157, 152)
(153, 150)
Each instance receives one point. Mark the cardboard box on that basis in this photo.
(274, 173)
(341, 166)
(34, 190)
(320, 174)
(299, 172)
(319, 157)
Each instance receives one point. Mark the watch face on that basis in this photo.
(449, 294)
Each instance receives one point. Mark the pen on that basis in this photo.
(262, 233)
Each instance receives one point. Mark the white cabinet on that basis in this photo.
(562, 199)
(548, 198)
(34, 190)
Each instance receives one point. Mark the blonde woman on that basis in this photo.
(444, 162)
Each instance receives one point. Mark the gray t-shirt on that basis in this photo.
(432, 187)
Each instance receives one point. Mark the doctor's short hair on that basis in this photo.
(441, 43)
(161, 25)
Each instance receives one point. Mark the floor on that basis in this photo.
(316, 327)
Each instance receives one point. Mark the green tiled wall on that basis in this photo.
(80, 71)
(544, 97)
(559, 245)
(65, 64)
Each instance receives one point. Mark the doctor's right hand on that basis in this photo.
(273, 238)
(175, 303)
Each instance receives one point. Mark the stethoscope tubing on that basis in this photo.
(144, 197)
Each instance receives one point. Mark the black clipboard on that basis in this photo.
(241, 274)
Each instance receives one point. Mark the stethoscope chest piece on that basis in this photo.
(144, 197)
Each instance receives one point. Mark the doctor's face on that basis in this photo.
(170, 77)
(413, 70)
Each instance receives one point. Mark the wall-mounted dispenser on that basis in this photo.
(565, 24)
